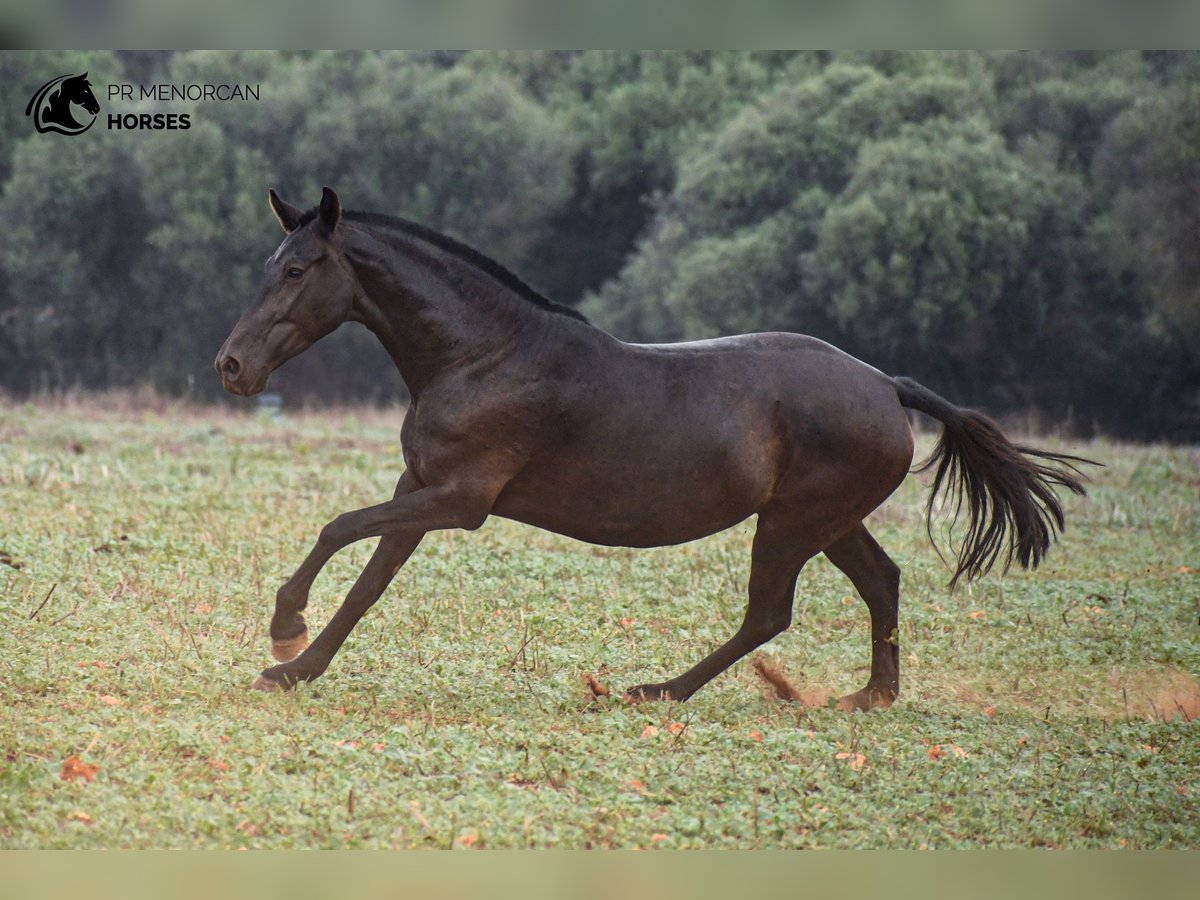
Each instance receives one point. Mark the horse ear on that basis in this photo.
(288, 215)
(330, 211)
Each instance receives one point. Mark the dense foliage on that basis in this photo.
(1018, 230)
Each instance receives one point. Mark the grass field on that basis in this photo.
(140, 553)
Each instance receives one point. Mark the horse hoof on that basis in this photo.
(287, 649)
(867, 699)
(644, 693)
(267, 685)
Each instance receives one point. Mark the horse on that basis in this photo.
(51, 105)
(521, 408)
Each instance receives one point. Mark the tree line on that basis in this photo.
(1016, 229)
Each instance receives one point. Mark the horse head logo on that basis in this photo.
(51, 105)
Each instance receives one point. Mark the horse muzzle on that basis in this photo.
(237, 379)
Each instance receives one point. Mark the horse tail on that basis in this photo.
(1009, 490)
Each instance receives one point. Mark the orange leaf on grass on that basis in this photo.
(74, 768)
(649, 731)
(110, 700)
(636, 784)
(756, 735)
(468, 840)
(676, 727)
(80, 817)
(854, 760)
(938, 751)
(348, 744)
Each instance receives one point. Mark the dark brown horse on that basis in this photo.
(522, 409)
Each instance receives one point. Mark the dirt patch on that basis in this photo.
(772, 676)
(1165, 695)
(1159, 694)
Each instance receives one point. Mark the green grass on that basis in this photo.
(456, 713)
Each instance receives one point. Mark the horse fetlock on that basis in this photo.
(287, 649)
(291, 598)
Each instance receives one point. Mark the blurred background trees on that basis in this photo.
(1020, 231)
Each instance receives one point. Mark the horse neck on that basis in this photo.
(432, 310)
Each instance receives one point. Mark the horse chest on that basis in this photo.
(431, 452)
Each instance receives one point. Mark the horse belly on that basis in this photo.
(641, 496)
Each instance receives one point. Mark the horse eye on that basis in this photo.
(293, 272)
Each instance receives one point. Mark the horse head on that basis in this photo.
(307, 291)
(78, 90)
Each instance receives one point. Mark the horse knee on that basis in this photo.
(473, 520)
(333, 534)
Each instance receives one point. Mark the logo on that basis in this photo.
(51, 106)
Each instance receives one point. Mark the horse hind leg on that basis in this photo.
(776, 560)
(877, 580)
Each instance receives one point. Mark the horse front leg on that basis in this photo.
(391, 554)
(401, 523)
(289, 631)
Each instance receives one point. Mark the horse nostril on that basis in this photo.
(230, 367)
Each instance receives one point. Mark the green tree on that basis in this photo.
(753, 194)
(22, 364)
(1150, 164)
(75, 226)
(926, 237)
(210, 231)
(461, 151)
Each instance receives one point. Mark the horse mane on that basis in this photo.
(468, 254)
